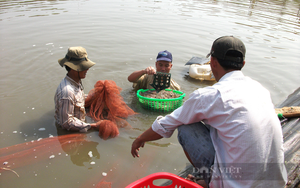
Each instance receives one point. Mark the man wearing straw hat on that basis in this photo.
(69, 97)
(229, 131)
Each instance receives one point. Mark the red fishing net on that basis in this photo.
(32, 152)
(104, 184)
(106, 106)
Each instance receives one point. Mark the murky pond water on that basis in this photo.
(122, 36)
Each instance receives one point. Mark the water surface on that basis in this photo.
(122, 36)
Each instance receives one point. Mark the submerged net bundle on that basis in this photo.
(106, 106)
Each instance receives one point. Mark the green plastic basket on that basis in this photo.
(160, 105)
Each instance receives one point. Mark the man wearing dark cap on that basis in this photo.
(143, 78)
(228, 131)
(69, 97)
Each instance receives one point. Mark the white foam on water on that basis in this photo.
(90, 153)
(51, 156)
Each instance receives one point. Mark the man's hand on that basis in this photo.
(96, 125)
(150, 70)
(148, 135)
(135, 147)
(133, 77)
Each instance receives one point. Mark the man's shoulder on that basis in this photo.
(175, 85)
(65, 88)
(209, 91)
(64, 84)
(146, 77)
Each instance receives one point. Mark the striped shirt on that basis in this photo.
(69, 106)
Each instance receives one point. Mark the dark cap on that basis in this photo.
(223, 45)
(164, 56)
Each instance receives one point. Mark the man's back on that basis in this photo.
(246, 134)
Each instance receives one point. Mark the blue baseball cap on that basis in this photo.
(164, 56)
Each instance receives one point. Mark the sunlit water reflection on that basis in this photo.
(122, 36)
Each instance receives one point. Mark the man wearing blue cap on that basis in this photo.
(229, 131)
(143, 78)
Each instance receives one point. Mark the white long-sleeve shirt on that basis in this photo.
(69, 106)
(244, 129)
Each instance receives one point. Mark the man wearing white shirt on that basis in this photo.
(229, 130)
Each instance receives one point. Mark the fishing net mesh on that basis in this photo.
(104, 185)
(106, 106)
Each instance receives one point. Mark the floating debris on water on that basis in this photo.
(104, 174)
(158, 144)
(90, 153)
(42, 129)
(9, 170)
(52, 156)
